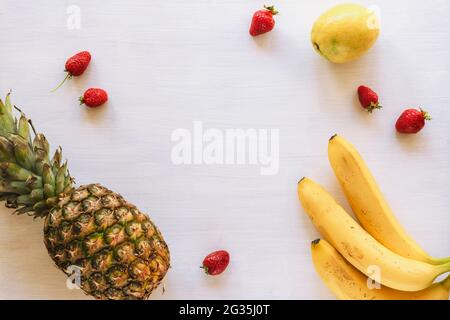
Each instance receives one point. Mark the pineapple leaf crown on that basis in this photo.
(30, 181)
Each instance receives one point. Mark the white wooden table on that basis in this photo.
(166, 64)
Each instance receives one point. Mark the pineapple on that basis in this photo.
(119, 252)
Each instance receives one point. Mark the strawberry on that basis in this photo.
(368, 98)
(411, 121)
(76, 65)
(216, 262)
(263, 21)
(94, 97)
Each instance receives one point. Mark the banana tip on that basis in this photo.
(301, 180)
(314, 242)
(333, 136)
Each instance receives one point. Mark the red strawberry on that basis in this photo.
(411, 121)
(368, 98)
(263, 21)
(216, 262)
(94, 97)
(76, 65)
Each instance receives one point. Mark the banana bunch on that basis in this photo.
(372, 259)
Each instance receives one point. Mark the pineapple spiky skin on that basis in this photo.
(120, 253)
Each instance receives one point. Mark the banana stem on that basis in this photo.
(437, 261)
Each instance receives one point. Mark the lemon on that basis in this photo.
(345, 32)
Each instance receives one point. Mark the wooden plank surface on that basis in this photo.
(167, 64)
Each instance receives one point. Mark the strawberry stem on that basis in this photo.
(68, 76)
(425, 114)
(271, 9)
(205, 269)
(373, 106)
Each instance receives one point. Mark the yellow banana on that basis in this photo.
(346, 282)
(359, 247)
(368, 203)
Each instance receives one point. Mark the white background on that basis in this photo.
(168, 63)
